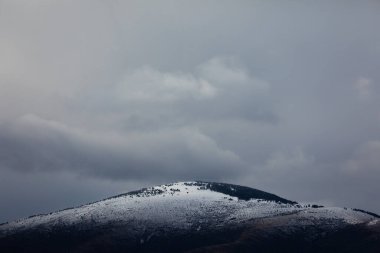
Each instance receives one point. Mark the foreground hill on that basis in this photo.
(195, 217)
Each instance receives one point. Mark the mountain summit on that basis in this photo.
(195, 217)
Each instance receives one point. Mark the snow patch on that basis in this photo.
(373, 222)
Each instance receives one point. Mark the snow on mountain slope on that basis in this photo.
(185, 206)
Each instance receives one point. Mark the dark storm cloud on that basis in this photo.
(33, 144)
(110, 95)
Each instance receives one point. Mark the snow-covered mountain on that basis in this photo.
(196, 217)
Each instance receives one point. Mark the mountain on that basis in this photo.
(195, 217)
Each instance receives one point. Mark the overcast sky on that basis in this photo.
(101, 97)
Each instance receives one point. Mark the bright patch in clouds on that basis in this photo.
(364, 87)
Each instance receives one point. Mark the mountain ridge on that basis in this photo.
(186, 216)
(215, 186)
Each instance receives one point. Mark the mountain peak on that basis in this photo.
(189, 187)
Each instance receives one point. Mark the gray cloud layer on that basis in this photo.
(100, 97)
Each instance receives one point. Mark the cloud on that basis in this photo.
(148, 85)
(35, 144)
(146, 98)
(219, 74)
(228, 71)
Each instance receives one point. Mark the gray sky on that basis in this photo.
(102, 97)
